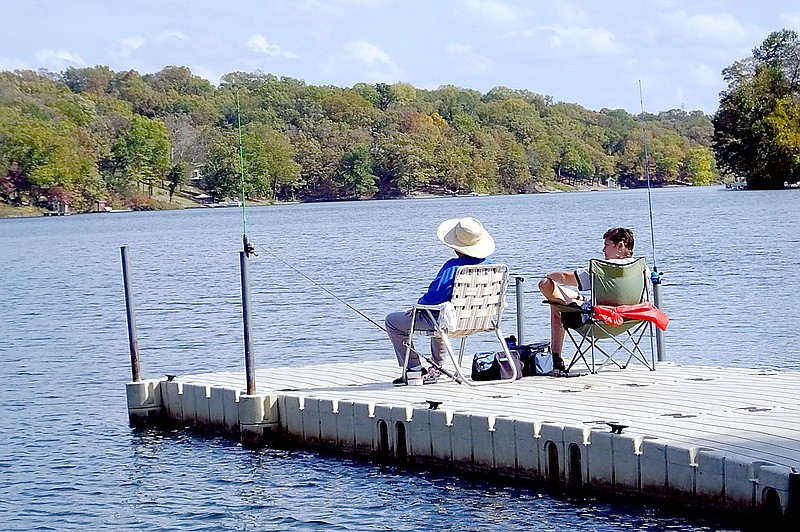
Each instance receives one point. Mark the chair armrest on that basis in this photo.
(572, 307)
(418, 306)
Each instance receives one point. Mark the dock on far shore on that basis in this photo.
(710, 437)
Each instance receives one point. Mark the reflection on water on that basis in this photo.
(69, 461)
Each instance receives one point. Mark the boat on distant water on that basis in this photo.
(741, 184)
(225, 204)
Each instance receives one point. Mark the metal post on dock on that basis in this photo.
(655, 278)
(249, 365)
(133, 342)
(520, 311)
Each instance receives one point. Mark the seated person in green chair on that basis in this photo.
(555, 286)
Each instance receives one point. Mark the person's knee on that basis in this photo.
(391, 320)
(546, 285)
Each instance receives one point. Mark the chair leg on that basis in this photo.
(409, 343)
(461, 350)
(458, 376)
(514, 374)
(580, 351)
(630, 345)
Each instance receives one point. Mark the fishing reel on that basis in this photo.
(249, 247)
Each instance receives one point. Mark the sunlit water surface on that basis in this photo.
(69, 461)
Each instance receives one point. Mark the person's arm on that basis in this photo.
(441, 288)
(565, 278)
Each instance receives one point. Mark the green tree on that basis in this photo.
(757, 121)
(357, 173)
(220, 171)
(269, 162)
(141, 153)
(698, 166)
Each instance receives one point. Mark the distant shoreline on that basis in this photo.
(8, 211)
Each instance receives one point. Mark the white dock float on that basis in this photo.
(713, 437)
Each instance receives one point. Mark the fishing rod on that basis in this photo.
(249, 248)
(647, 175)
(655, 275)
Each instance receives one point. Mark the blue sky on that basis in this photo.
(589, 52)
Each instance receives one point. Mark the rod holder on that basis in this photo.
(249, 365)
(132, 340)
(655, 279)
(520, 292)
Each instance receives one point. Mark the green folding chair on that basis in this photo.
(597, 343)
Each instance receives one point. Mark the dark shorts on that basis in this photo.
(573, 320)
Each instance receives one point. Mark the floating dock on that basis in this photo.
(709, 437)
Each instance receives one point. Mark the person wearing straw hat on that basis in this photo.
(472, 244)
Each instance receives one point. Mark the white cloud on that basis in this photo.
(719, 28)
(467, 61)
(177, 34)
(362, 61)
(258, 43)
(58, 56)
(568, 40)
(704, 75)
(495, 11)
(127, 45)
(367, 53)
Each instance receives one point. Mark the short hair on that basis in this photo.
(620, 234)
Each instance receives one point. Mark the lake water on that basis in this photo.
(68, 460)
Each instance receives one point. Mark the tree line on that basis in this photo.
(87, 134)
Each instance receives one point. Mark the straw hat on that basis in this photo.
(467, 236)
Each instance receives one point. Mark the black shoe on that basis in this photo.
(558, 362)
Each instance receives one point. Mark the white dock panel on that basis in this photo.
(419, 434)
(345, 425)
(653, 467)
(440, 434)
(483, 433)
(311, 420)
(461, 438)
(505, 445)
(365, 426)
(527, 441)
(328, 414)
(173, 399)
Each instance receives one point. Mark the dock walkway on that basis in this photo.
(715, 437)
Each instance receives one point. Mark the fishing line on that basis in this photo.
(318, 285)
(429, 360)
(241, 160)
(647, 174)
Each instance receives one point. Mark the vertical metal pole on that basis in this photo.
(655, 278)
(249, 366)
(133, 342)
(520, 311)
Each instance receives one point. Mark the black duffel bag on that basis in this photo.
(493, 366)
